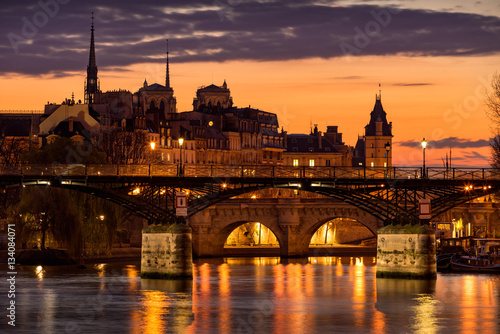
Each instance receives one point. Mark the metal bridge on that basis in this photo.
(149, 190)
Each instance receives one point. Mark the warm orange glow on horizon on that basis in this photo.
(431, 97)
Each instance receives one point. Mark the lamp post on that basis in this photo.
(387, 149)
(424, 145)
(181, 141)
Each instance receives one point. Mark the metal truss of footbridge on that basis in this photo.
(149, 190)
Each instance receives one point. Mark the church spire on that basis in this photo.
(92, 83)
(167, 77)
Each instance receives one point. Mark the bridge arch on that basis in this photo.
(338, 224)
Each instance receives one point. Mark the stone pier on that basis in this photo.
(407, 251)
(167, 252)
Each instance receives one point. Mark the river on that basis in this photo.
(253, 295)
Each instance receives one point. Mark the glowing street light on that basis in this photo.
(424, 145)
(153, 145)
(181, 141)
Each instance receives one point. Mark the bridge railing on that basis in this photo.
(463, 173)
(261, 171)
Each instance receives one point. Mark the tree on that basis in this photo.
(61, 150)
(493, 103)
(123, 147)
(50, 211)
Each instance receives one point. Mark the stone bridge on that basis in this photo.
(292, 220)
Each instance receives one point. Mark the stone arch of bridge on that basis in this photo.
(308, 234)
(220, 237)
(314, 227)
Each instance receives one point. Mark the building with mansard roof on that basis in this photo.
(317, 149)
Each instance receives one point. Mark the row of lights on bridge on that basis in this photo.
(470, 188)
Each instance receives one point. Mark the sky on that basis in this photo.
(310, 62)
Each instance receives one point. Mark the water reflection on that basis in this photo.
(165, 305)
(255, 295)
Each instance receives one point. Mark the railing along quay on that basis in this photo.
(260, 171)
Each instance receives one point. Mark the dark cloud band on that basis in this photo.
(52, 36)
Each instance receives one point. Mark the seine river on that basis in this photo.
(252, 295)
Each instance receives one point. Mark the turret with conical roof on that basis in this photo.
(378, 125)
(374, 149)
(378, 137)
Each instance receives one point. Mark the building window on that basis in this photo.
(372, 155)
(295, 149)
(372, 145)
(385, 164)
(327, 163)
(385, 155)
(294, 140)
(311, 149)
(311, 162)
(372, 164)
(295, 162)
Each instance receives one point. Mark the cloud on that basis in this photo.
(351, 77)
(131, 32)
(453, 142)
(474, 155)
(413, 84)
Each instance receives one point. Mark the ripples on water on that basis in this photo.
(254, 295)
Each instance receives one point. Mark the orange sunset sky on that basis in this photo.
(433, 62)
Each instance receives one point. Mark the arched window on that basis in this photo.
(152, 105)
(162, 105)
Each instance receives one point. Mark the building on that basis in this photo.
(317, 149)
(374, 149)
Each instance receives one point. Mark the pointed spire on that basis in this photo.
(92, 84)
(167, 79)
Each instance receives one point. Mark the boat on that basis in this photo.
(443, 261)
(474, 264)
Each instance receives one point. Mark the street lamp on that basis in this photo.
(387, 149)
(424, 145)
(153, 145)
(181, 141)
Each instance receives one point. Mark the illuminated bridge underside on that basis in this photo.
(149, 190)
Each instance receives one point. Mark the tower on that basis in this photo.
(167, 76)
(378, 137)
(92, 82)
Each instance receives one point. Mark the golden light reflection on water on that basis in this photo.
(359, 291)
(425, 320)
(358, 300)
(39, 272)
(258, 261)
(224, 310)
(155, 306)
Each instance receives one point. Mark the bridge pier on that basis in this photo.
(406, 251)
(292, 243)
(167, 252)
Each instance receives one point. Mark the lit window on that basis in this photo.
(311, 162)
(385, 164)
(372, 164)
(295, 162)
